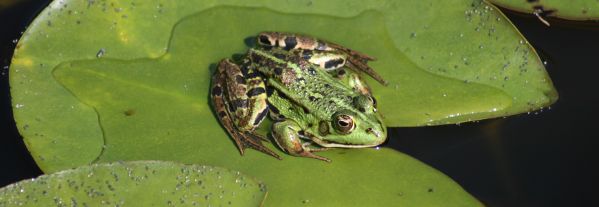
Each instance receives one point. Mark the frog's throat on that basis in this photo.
(323, 143)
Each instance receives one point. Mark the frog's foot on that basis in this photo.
(309, 154)
(353, 53)
(360, 66)
(254, 141)
(286, 135)
(228, 110)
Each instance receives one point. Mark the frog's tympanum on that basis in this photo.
(310, 88)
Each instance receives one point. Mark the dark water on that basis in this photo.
(546, 158)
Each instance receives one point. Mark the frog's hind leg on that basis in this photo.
(328, 61)
(226, 109)
(333, 63)
(287, 135)
(291, 41)
(355, 60)
(363, 67)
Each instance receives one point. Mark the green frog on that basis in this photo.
(310, 88)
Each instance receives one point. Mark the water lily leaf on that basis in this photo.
(101, 81)
(170, 123)
(139, 183)
(573, 10)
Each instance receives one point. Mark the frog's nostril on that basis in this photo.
(376, 133)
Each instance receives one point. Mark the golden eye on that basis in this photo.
(344, 123)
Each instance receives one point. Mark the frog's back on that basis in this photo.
(302, 82)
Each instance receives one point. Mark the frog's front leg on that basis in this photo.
(239, 105)
(355, 60)
(286, 134)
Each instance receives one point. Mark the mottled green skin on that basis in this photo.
(307, 87)
(313, 96)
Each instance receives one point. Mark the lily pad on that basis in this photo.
(573, 10)
(149, 130)
(140, 183)
(102, 81)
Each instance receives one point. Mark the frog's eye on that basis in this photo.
(344, 123)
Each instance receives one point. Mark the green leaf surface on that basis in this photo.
(139, 183)
(101, 81)
(573, 10)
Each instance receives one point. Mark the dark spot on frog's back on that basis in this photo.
(244, 69)
(267, 48)
(255, 57)
(239, 103)
(274, 109)
(278, 71)
(261, 116)
(306, 110)
(256, 91)
(290, 43)
(217, 91)
(252, 74)
(269, 91)
(231, 107)
(264, 40)
(333, 63)
(306, 54)
(280, 56)
(239, 79)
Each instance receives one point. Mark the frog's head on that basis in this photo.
(358, 127)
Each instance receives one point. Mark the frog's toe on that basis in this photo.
(358, 66)
(254, 141)
(311, 155)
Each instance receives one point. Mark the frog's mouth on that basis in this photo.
(324, 143)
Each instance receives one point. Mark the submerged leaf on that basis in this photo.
(140, 183)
